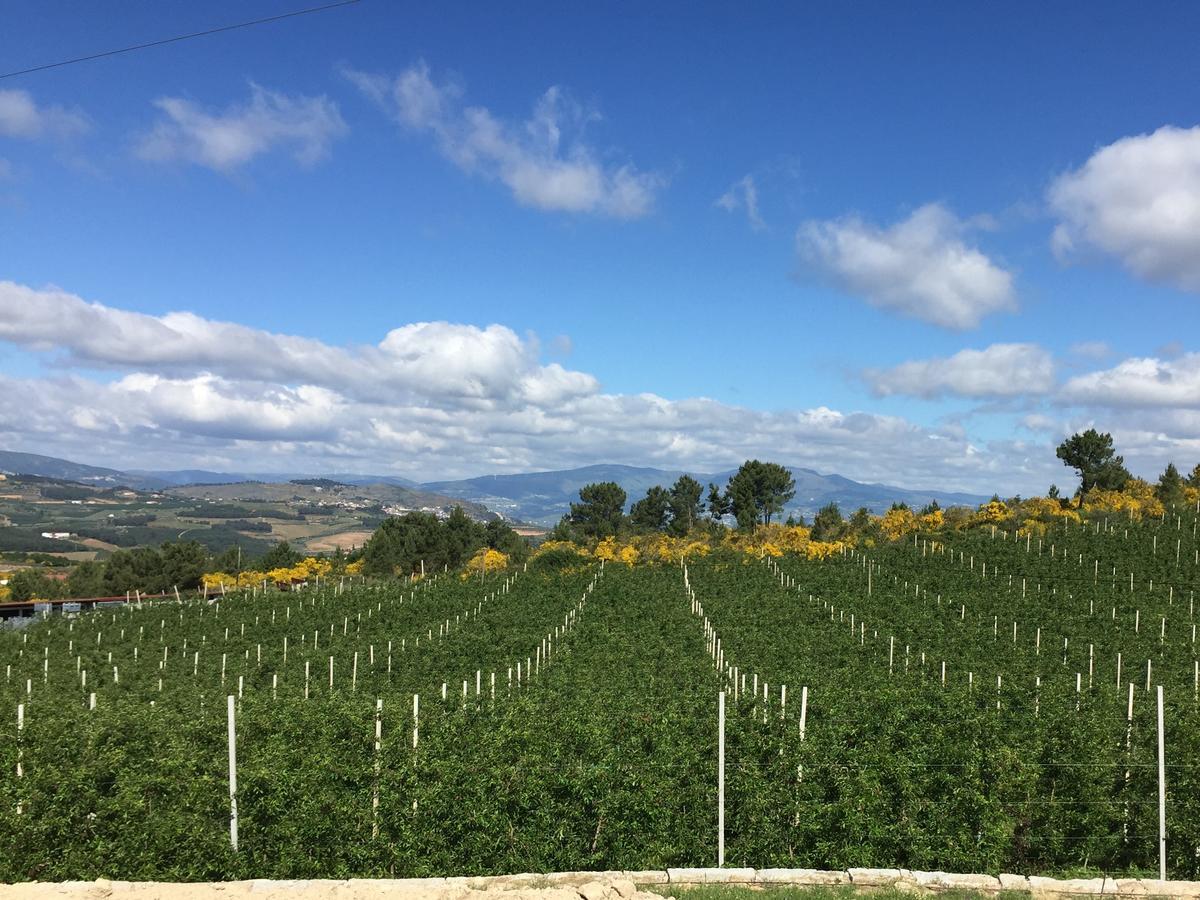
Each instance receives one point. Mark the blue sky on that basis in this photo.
(906, 242)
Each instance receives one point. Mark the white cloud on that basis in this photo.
(1139, 382)
(431, 399)
(919, 267)
(225, 140)
(1091, 349)
(1042, 423)
(1001, 370)
(1137, 199)
(481, 366)
(22, 117)
(537, 160)
(743, 194)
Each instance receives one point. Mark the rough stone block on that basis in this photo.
(647, 876)
(519, 881)
(1066, 886)
(875, 877)
(1124, 887)
(710, 876)
(576, 879)
(593, 890)
(1011, 882)
(943, 881)
(805, 877)
(1157, 888)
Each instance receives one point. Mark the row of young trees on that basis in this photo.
(148, 570)
(401, 545)
(1095, 459)
(756, 494)
(759, 491)
(421, 541)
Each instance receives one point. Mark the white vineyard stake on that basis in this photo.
(1162, 793)
(721, 779)
(233, 813)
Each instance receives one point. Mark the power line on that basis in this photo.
(182, 37)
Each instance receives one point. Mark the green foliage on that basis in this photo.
(499, 535)
(653, 511)
(719, 504)
(31, 584)
(601, 510)
(183, 563)
(1092, 456)
(685, 505)
(86, 580)
(758, 491)
(605, 759)
(18, 539)
(140, 570)
(828, 524)
(280, 556)
(1170, 486)
(402, 544)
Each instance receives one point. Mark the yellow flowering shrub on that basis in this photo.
(1136, 499)
(555, 546)
(485, 560)
(993, 513)
(606, 549)
(819, 550)
(898, 522)
(214, 581)
(768, 540)
(933, 521)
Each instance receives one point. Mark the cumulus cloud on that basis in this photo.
(1001, 370)
(743, 195)
(225, 140)
(1137, 199)
(543, 161)
(22, 117)
(919, 267)
(481, 366)
(1139, 382)
(430, 399)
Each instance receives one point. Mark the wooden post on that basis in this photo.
(233, 814)
(721, 779)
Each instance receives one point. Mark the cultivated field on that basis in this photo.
(964, 712)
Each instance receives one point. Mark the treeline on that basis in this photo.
(414, 541)
(1094, 458)
(147, 570)
(756, 494)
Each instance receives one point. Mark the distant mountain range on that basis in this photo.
(180, 477)
(544, 497)
(12, 463)
(539, 497)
